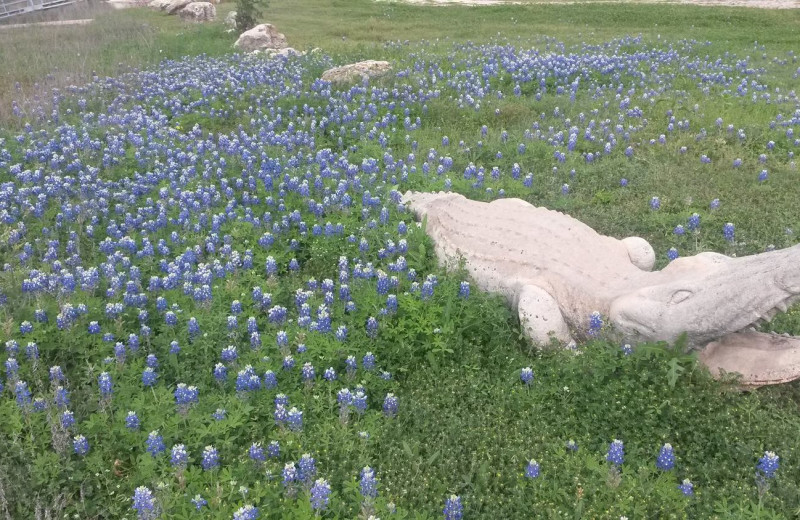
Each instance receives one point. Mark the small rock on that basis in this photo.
(363, 70)
(199, 12)
(230, 20)
(264, 36)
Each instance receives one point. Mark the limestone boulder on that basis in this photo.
(159, 4)
(199, 12)
(230, 20)
(173, 6)
(260, 37)
(360, 71)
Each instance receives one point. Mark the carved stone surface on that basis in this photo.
(357, 71)
(556, 271)
(264, 36)
(199, 12)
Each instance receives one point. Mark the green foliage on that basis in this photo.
(248, 13)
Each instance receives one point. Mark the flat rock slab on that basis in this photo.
(363, 70)
(260, 37)
(84, 21)
(198, 12)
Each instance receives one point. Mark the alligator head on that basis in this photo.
(717, 301)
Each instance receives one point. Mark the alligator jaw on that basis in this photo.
(761, 359)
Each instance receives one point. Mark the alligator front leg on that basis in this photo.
(640, 252)
(541, 317)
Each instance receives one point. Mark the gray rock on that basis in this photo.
(260, 37)
(230, 20)
(199, 12)
(363, 70)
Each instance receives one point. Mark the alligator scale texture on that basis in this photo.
(555, 271)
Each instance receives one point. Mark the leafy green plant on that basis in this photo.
(248, 13)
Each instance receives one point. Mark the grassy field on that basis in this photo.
(183, 183)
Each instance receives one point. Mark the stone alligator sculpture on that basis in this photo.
(555, 271)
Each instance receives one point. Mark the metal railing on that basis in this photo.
(9, 8)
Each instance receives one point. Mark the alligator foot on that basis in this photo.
(541, 317)
(761, 359)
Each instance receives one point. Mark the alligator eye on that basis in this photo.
(680, 296)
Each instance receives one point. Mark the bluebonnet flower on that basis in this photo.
(210, 459)
(40, 316)
(294, 420)
(329, 374)
(686, 487)
(25, 327)
(199, 502)
(463, 290)
(672, 254)
(273, 449)
(308, 373)
(372, 327)
(132, 421)
(236, 307)
(256, 453)
(94, 327)
(368, 485)
(105, 385)
(427, 290)
(595, 323)
(144, 503)
(174, 347)
(526, 375)
(149, 377)
(768, 465)
(368, 363)
(12, 368)
(179, 457)
(193, 327)
(155, 443)
(390, 405)
(694, 222)
(565, 189)
(56, 374)
(229, 354)
(320, 495)
(655, 203)
(307, 468)
(666, 458)
(453, 510)
(61, 397)
(728, 231)
(616, 452)
(679, 230)
(627, 349)
(80, 445)
(714, 204)
(67, 419)
(280, 415)
(247, 512)
(270, 379)
(219, 414)
(360, 401)
(288, 363)
(220, 372)
(763, 176)
(351, 366)
(289, 474)
(572, 445)
(532, 469)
